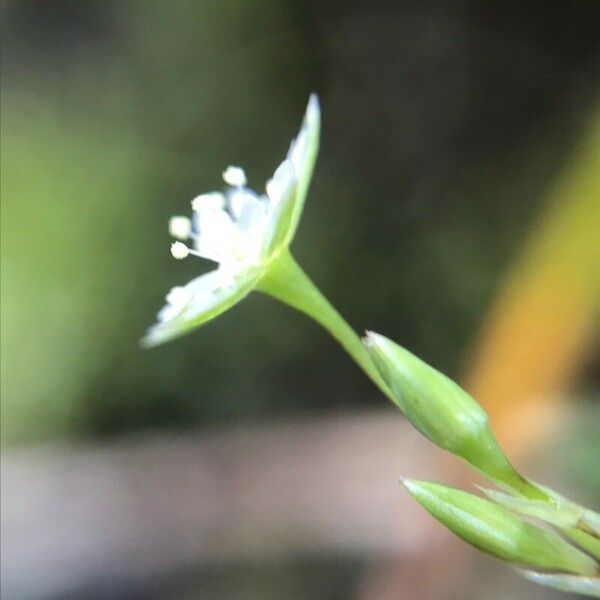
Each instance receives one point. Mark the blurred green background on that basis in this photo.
(446, 127)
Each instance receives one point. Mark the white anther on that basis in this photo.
(234, 176)
(180, 227)
(179, 250)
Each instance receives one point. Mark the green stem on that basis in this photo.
(286, 281)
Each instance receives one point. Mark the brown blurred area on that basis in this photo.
(455, 208)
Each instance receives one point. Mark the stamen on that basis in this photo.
(234, 176)
(180, 227)
(179, 250)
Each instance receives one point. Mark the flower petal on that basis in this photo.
(253, 221)
(210, 295)
(238, 198)
(216, 234)
(289, 185)
(282, 194)
(303, 154)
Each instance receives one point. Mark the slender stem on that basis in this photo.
(286, 281)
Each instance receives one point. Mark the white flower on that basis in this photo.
(241, 231)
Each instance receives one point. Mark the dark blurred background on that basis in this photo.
(459, 159)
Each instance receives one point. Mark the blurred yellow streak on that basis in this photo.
(545, 318)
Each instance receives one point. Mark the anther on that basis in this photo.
(234, 176)
(180, 227)
(179, 250)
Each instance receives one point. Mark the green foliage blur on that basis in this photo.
(436, 157)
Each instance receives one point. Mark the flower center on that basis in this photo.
(226, 227)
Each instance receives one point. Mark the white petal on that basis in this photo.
(216, 233)
(298, 149)
(178, 296)
(177, 299)
(167, 313)
(205, 284)
(214, 200)
(252, 215)
(303, 154)
(281, 181)
(253, 224)
(226, 274)
(300, 146)
(197, 294)
(238, 198)
(209, 300)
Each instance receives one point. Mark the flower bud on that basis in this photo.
(499, 532)
(443, 412)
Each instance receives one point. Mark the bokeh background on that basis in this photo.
(455, 208)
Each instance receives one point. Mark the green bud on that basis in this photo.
(499, 532)
(443, 412)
